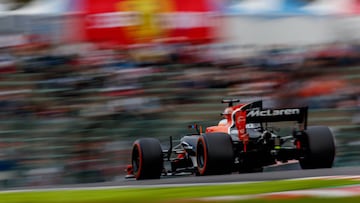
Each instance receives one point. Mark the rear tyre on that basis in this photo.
(319, 148)
(147, 159)
(214, 154)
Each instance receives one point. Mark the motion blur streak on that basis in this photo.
(81, 79)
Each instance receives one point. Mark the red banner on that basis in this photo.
(354, 7)
(143, 21)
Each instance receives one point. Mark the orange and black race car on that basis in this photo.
(242, 142)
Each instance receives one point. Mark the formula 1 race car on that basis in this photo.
(242, 142)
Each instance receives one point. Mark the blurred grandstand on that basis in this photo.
(70, 116)
(70, 111)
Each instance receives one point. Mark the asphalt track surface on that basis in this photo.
(249, 177)
(281, 174)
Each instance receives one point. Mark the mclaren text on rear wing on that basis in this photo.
(258, 115)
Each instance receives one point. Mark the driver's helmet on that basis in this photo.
(227, 113)
(223, 122)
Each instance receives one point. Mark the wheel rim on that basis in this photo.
(136, 160)
(200, 156)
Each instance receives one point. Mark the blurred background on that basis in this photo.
(80, 80)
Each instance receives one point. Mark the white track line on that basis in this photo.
(348, 191)
(167, 185)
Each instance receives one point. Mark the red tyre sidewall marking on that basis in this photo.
(138, 173)
(203, 170)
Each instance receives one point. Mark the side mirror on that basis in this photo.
(198, 128)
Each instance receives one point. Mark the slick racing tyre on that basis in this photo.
(318, 149)
(214, 154)
(147, 159)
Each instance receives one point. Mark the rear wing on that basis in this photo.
(260, 115)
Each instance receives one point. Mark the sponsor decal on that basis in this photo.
(178, 20)
(273, 112)
(147, 25)
(113, 19)
(241, 119)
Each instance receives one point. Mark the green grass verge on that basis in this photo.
(174, 194)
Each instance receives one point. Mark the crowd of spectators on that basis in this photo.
(69, 75)
(105, 81)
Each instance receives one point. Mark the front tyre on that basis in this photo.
(319, 148)
(147, 159)
(214, 154)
